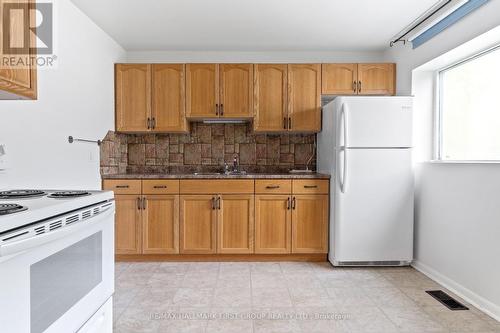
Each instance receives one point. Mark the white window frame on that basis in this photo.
(438, 107)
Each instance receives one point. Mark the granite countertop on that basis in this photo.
(218, 176)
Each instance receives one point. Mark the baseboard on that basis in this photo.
(313, 257)
(468, 295)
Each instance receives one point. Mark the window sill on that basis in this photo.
(460, 162)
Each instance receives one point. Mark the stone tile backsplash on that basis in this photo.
(206, 148)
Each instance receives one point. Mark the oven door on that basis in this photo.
(57, 285)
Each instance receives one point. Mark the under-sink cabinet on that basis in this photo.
(218, 217)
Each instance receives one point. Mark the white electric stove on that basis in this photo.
(56, 261)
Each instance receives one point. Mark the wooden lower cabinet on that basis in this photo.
(160, 224)
(128, 224)
(235, 223)
(291, 220)
(310, 224)
(272, 224)
(198, 224)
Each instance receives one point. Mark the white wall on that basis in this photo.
(256, 57)
(74, 99)
(457, 205)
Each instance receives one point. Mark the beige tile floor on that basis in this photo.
(281, 298)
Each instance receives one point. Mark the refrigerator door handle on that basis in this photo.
(343, 149)
(345, 110)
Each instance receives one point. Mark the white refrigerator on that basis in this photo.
(366, 145)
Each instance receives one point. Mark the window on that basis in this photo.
(469, 109)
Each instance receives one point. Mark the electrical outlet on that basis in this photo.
(3, 157)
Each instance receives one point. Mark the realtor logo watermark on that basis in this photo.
(27, 35)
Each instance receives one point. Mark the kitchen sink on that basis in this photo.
(231, 173)
(207, 173)
(234, 173)
(302, 171)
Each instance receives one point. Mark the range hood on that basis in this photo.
(225, 121)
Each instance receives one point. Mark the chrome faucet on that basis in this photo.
(235, 163)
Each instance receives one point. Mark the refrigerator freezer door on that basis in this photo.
(373, 216)
(375, 122)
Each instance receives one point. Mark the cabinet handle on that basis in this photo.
(294, 203)
(153, 122)
(213, 203)
(310, 186)
(149, 123)
(284, 122)
(290, 123)
(143, 203)
(138, 203)
(221, 109)
(217, 109)
(160, 186)
(218, 203)
(121, 186)
(288, 203)
(354, 86)
(272, 187)
(359, 86)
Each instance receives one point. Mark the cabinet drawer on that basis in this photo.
(122, 186)
(310, 186)
(270, 186)
(157, 186)
(216, 186)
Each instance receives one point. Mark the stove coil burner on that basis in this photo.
(68, 194)
(6, 209)
(21, 194)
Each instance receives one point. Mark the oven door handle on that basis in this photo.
(29, 243)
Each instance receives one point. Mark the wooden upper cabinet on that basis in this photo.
(128, 224)
(359, 79)
(304, 84)
(133, 97)
(18, 82)
(235, 223)
(168, 98)
(271, 96)
(198, 218)
(310, 224)
(202, 90)
(236, 90)
(376, 79)
(160, 224)
(339, 79)
(272, 224)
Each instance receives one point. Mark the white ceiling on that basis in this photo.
(253, 25)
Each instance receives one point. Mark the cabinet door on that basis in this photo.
(198, 223)
(310, 224)
(272, 224)
(19, 80)
(376, 79)
(161, 224)
(202, 90)
(128, 224)
(236, 90)
(339, 79)
(168, 98)
(133, 97)
(304, 84)
(235, 224)
(271, 95)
